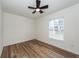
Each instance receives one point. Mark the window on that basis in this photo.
(56, 29)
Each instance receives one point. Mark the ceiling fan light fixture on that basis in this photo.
(37, 9)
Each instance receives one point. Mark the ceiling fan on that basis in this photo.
(38, 8)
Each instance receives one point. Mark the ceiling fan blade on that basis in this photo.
(31, 7)
(34, 12)
(44, 7)
(38, 3)
(41, 11)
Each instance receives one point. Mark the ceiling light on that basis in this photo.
(37, 9)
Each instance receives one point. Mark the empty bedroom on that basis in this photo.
(39, 28)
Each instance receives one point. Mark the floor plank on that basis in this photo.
(35, 49)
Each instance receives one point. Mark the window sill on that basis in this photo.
(60, 38)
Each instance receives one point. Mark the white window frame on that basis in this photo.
(56, 37)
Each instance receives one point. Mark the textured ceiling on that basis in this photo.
(20, 7)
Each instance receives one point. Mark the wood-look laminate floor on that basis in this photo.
(34, 49)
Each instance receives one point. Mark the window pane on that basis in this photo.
(56, 29)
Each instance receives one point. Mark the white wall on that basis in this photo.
(17, 29)
(71, 36)
(1, 46)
